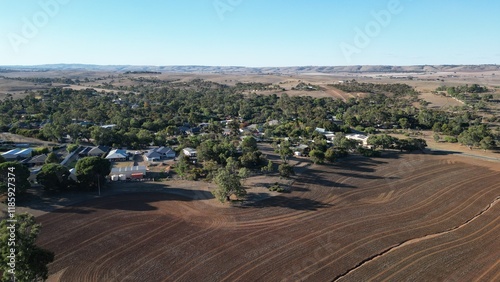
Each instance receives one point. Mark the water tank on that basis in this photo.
(123, 177)
(115, 177)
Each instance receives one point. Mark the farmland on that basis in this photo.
(412, 216)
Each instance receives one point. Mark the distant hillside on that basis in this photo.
(259, 70)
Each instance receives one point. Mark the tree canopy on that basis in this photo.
(18, 172)
(90, 170)
(30, 260)
(227, 184)
(53, 177)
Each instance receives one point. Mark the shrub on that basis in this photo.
(450, 139)
(276, 188)
(71, 148)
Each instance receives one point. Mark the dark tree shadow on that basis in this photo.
(129, 196)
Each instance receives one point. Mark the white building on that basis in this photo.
(189, 152)
(363, 139)
(129, 172)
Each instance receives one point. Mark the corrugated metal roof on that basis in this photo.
(128, 168)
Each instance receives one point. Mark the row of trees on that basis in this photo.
(55, 177)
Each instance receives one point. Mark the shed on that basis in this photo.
(128, 171)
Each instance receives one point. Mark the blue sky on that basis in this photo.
(249, 32)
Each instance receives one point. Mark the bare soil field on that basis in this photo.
(22, 139)
(402, 217)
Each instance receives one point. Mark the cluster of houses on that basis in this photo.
(165, 153)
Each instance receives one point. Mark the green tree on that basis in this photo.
(232, 165)
(249, 144)
(145, 137)
(317, 156)
(330, 155)
(91, 170)
(18, 172)
(52, 158)
(269, 167)
(251, 159)
(227, 184)
(75, 131)
(385, 141)
(284, 151)
(487, 143)
(53, 177)
(243, 173)
(234, 126)
(102, 136)
(72, 147)
(437, 138)
(182, 166)
(40, 151)
(285, 170)
(473, 135)
(404, 123)
(30, 260)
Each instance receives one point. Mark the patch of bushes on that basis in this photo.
(277, 188)
(450, 139)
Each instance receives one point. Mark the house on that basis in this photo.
(301, 150)
(194, 130)
(134, 172)
(85, 152)
(37, 161)
(189, 152)
(17, 154)
(329, 135)
(159, 154)
(255, 128)
(117, 155)
(98, 151)
(153, 156)
(273, 122)
(363, 139)
(108, 126)
(11, 155)
(166, 152)
(184, 129)
(25, 153)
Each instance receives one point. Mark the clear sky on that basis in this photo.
(250, 33)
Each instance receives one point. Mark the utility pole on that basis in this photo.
(99, 184)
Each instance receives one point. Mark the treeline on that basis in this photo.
(397, 89)
(42, 79)
(455, 90)
(142, 72)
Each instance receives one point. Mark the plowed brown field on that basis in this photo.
(412, 217)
